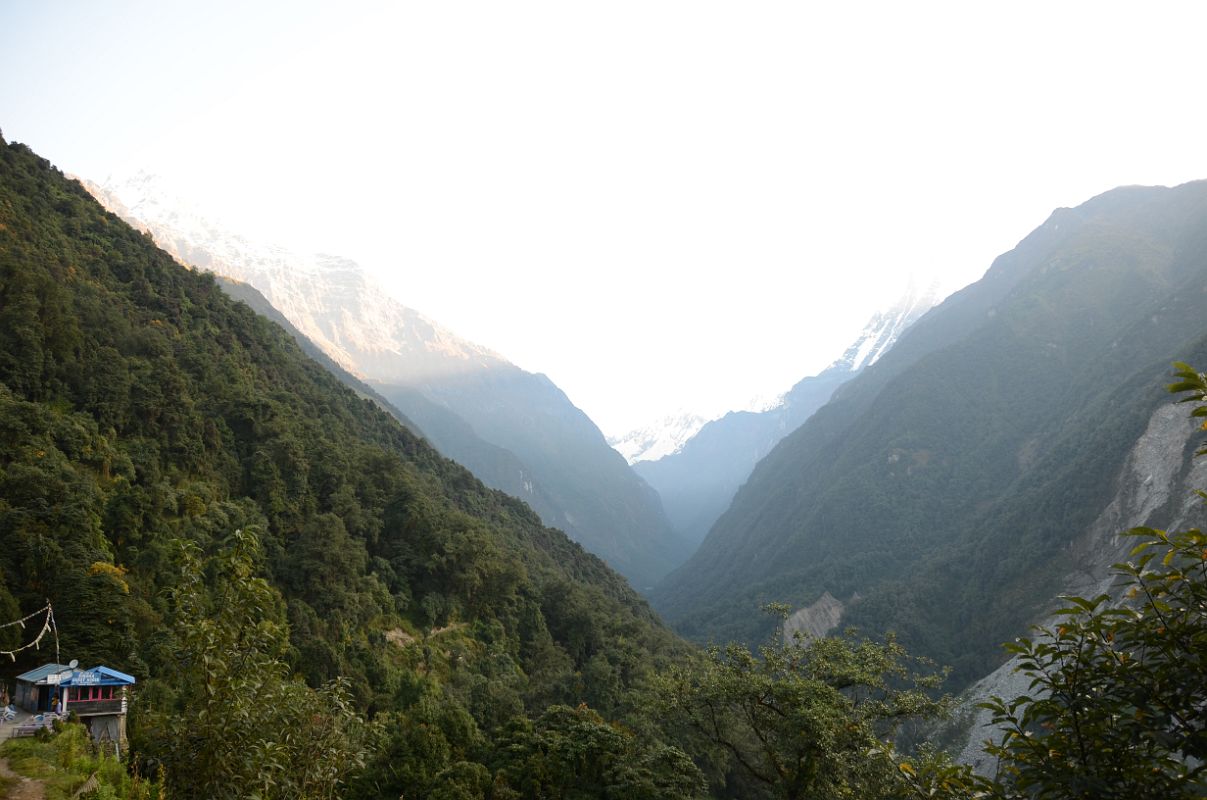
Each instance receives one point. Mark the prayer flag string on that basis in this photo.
(47, 626)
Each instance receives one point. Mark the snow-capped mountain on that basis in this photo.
(515, 430)
(669, 435)
(662, 438)
(697, 481)
(328, 298)
(884, 328)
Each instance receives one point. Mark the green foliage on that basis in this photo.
(1119, 705)
(144, 416)
(1194, 385)
(65, 761)
(805, 718)
(434, 745)
(574, 754)
(236, 722)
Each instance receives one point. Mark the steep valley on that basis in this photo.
(274, 556)
(213, 501)
(698, 480)
(937, 493)
(513, 429)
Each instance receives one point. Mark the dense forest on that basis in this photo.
(146, 419)
(316, 604)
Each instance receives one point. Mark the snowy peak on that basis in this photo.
(700, 477)
(514, 429)
(669, 435)
(662, 438)
(884, 328)
(330, 299)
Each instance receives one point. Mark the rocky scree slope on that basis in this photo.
(1155, 488)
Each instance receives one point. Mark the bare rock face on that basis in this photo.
(815, 620)
(1159, 475)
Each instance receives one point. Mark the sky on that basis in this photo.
(662, 206)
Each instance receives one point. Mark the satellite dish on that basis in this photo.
(75, 662)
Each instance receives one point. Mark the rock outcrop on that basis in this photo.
(815, 620)
(1154, 488)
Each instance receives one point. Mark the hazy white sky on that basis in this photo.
(660, 205)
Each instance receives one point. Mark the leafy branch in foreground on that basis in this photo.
(1194, 384)
(1118, 692)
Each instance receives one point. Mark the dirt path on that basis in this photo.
(24, 788)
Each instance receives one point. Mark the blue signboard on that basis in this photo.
(99, 676)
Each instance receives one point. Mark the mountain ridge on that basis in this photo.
(697, 482)
(213, 511)
(433, 376)
(930, 455)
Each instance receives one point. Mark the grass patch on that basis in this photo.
(64, 760)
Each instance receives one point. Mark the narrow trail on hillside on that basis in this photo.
(24, 788)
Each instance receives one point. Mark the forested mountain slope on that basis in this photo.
(141, 407)
(566, 469)
(494, 466)
(937, 493)
(253, 299)
(515, 430)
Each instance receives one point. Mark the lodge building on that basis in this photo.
(99, 697)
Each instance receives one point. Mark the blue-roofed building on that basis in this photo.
(99, 697)
(38, 689)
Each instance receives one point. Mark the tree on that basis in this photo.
(575, 754)
(228, 721)
(804, 718)
(429, 749)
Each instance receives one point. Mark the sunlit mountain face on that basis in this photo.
(516, 430)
